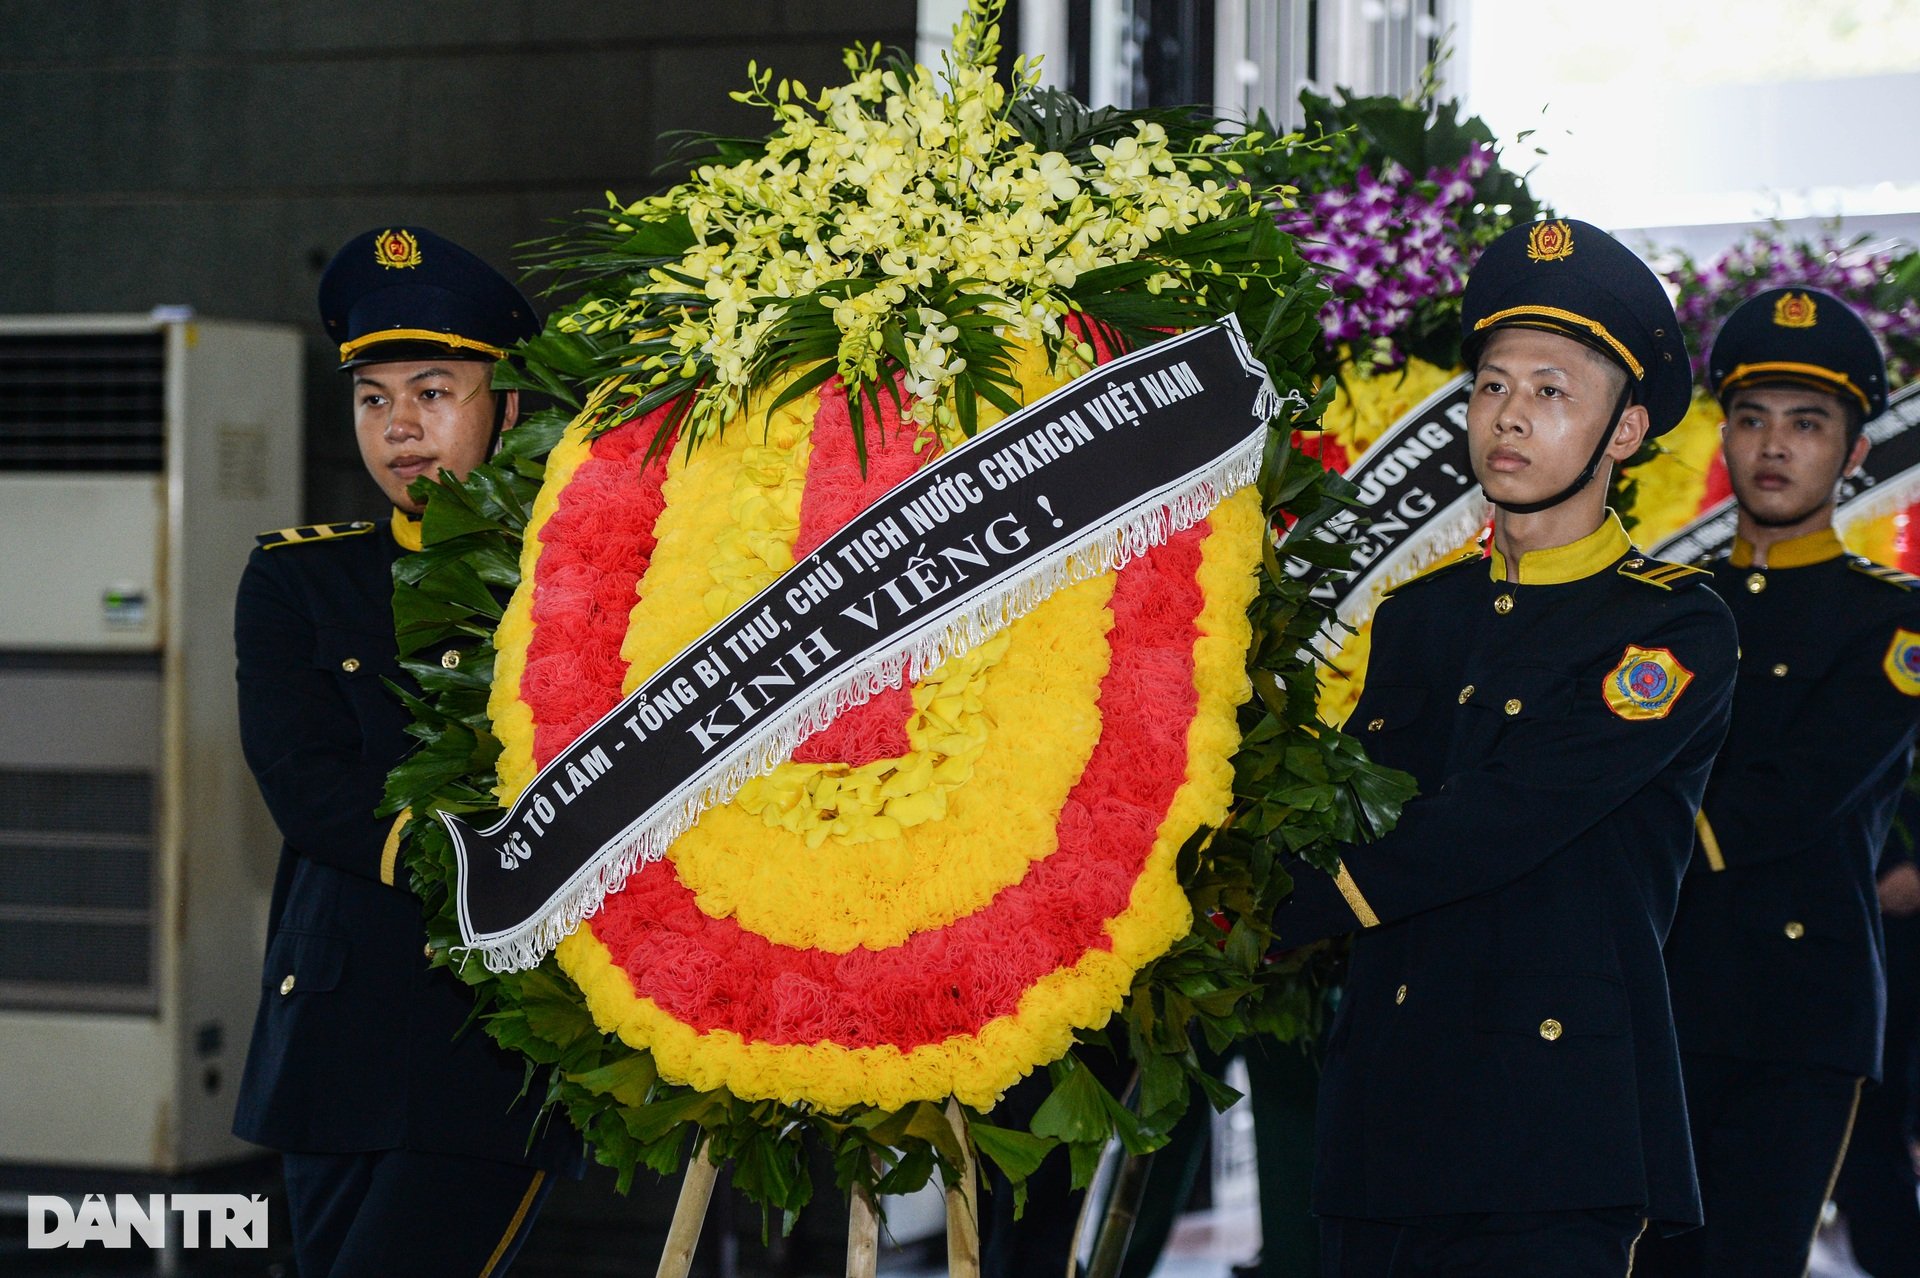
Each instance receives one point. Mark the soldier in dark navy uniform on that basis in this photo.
(1878, 1191)
(406, 1148)
(1775, 958)
(1502, 1093)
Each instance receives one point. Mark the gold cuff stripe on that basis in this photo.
(513, 1226)
(1593, 326)
(1709, 843)
(390, 853)
(1355, 902)
(1793, 368)
(349, 349)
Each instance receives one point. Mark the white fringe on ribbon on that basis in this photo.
(1439, 540)
(1103, 550)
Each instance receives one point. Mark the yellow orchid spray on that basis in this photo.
(905, 231)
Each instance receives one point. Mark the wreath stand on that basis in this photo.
(863, 1218)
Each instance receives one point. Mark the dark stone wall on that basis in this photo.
(215, 152)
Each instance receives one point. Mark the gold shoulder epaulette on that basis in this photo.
(1880, 572)
(1472, 557)
(311, 533)
(1658, 572)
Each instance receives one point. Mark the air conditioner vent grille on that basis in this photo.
(77, 889)
(83, 401)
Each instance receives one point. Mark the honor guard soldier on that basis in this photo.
(1502, 1092)
(407, 1146)
(1878, 1191)
(1775, 958)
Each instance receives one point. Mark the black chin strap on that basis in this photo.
(499, 421)
(1585, 477)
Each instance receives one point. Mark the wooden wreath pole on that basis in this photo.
(1079, 1233)
(1122, 1209)
(863, 1234)
(963, 1204)
(1116, 1230)
(689, 1213)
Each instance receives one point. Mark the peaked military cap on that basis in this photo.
(1805, 337)
(1574, 279)
(404, 293)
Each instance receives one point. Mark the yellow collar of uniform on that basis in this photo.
(406, 530)
(1798, 552)
(1557, 565)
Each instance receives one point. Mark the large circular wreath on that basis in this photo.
(939, 892)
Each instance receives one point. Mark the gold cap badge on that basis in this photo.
(396, 249)
(1550, 241)
(1794, 310)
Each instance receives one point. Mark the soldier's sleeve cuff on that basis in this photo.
(390, 853)
(1350, 891)
(1709, 842)
(1322, 905)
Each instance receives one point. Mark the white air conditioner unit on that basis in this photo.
(138, 457)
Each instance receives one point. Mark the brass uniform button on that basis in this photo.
(1503, 604)
(350, 665)
(1756, 583)
(1400, 995)
(286, 986)
(1780, 670)
(1795, 930)
(450, 659)
(1551, 1029)
(1465, 693)
(1376, 725)
(1513, 706)
(1636, 563)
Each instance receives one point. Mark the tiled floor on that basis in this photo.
(1209, 1244)
(1204, 1245)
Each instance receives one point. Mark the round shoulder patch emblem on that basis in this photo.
(1902, 663)
(1646, 683)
